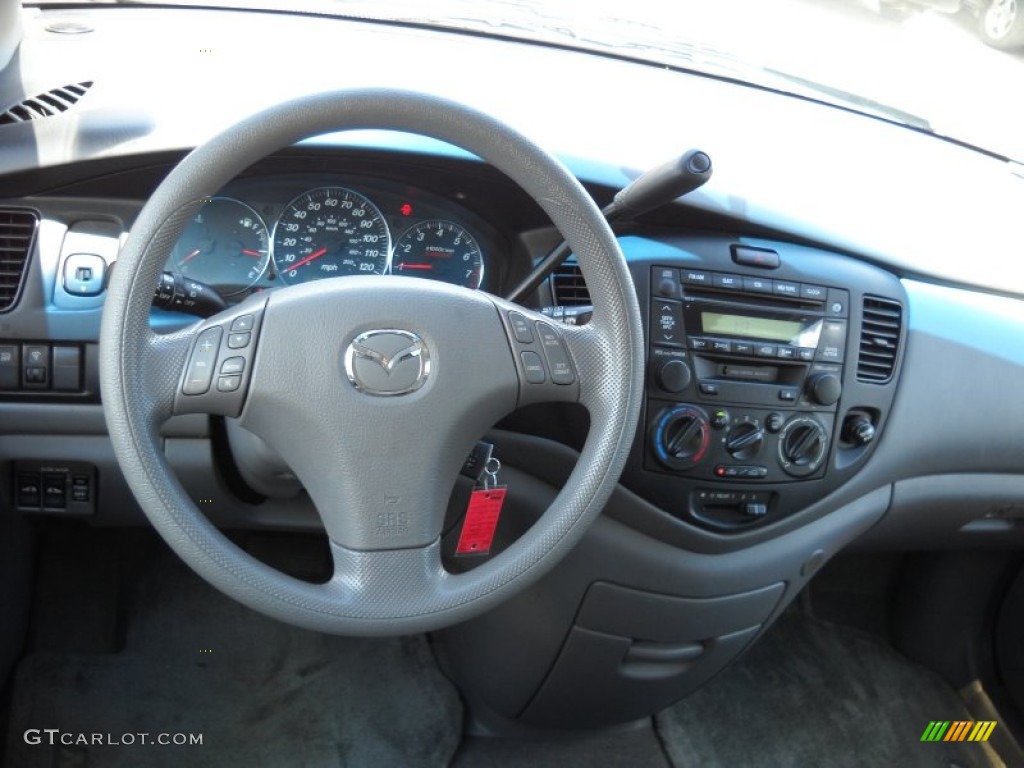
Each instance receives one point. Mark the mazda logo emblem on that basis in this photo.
(387, 362)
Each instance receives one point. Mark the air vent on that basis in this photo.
(568, 286)
(16, 231)
(879, 339)
(53, 102)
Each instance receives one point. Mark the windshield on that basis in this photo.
(948, 67)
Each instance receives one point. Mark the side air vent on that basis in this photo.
(881, 324)
(568, 286)
(53, 102)
(17, 229)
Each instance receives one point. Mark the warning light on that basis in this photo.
(406, 209)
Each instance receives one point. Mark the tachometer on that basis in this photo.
(329, 232)
(225, 246)
(441, 250)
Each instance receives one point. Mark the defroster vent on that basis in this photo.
(881, 325)
(568, 286)
(53, 102)
(17, 229)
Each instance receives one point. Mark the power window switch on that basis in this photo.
(28, 494)
(55, 491)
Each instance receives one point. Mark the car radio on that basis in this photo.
(745, 374)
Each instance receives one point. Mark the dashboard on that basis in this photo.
(833, 358)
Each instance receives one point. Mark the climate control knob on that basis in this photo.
(803, 444)
(680, 436)
(744, 440)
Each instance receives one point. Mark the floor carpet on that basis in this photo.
(810, 693)
(259, 692)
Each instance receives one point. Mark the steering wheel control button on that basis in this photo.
(667, 323)
(201, 364)
(238, 340)
(520, 328)
(557, 355)
(229, 383)
(534, 367)
(233, 365)
(242, 323)
(387, 362)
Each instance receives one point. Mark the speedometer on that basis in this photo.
(329, 232)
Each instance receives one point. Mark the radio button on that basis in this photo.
(786, 353)
(695, 277)
(757, 285)
(813, 292)
(665, 282)
(786, 288)
(807, 355)
(667, 323)
(707, 388)
(740, 348)
(732, 282)
(789, 394)
(717, 345)
(764, 350)
(832, 344)
(698, 343)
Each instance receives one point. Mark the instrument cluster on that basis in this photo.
(260, 233)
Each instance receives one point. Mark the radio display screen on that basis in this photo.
(769, 329)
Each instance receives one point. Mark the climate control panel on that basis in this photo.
(736, 443)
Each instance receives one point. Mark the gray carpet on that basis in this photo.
(259, 692)
(811, 693)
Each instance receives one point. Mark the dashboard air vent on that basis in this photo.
(17, 227)
(568, 286)
(881, 324)
(53, 102)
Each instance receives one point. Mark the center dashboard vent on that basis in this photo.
(17, 228)
(881, 326)
(568, 286)
(47, 104)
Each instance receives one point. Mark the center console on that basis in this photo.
(762, 390)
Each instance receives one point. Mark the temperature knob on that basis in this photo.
(680, 436)
(744, 441)
(803, 444)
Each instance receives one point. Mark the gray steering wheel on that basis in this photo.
(373, 389)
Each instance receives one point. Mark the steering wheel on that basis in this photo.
(373, 388)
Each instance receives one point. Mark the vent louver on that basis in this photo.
(53, 102)
(881, 325)
(17, 229)
(568, 286)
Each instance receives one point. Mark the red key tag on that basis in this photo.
(481, 521)
(482, 513)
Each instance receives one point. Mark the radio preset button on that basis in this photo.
(764, 350)
(813, 292)
(757, 285)
(698, 343)
(741, 348)
(695, 276)
(725, 280)
(717, 345)
(806, 354)
(786, 288)
(786, 353)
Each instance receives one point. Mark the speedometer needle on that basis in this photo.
(301, 262)
(254, 254)
(192, 255)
